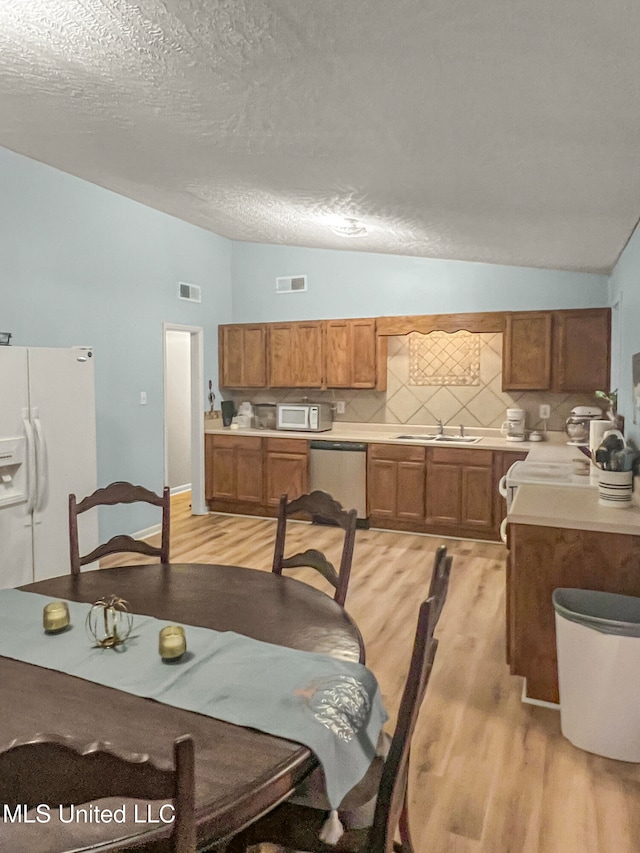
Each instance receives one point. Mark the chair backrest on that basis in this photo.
(319, 505)
(58, 770)
(118, 493)
(439, 584)
(390, 802)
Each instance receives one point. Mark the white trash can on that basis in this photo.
(598, 642)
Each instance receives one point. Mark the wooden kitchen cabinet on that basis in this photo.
(242, 356)
(396, 484)
(527, 351)
(582, 350)
(561, 351)
(543, 559)
(352, 354)
(286, 469)
(459, 489)
(296, 355)
(233, 468)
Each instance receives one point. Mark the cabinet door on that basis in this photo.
(526, 351)
(410, 501)
(231, 349)
(583, 350)
(248, 475)
(444, 493)
(242, 353)
(363, 353)
(281, 354)
(477, 497)
(338, 353)
(308, 362)
(286, 474)
(254, 349)
(224, 473)
(350, 353)
(382, 478)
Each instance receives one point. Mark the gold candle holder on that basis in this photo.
(55, 616)
(172, 642)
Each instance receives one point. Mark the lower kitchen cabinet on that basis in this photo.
(542, 559)
(233, 469)
(286, 469)
(460, 490)
(248, 474)
(395, 484)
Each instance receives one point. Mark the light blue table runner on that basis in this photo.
(331, 706)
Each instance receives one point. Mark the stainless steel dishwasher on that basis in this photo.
(340, 468)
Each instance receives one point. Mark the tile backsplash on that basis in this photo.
(478, 405)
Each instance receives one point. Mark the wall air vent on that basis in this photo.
(291, 284)
(190, 292)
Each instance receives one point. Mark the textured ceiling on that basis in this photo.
(504, 131)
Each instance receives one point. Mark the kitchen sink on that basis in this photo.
(451, 439)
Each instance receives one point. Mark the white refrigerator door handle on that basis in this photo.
(41, 465)
(502, 486)
(31, 466)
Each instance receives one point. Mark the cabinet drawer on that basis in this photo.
(403, 452)
(460, 456)
(287, 445)
(245, 442)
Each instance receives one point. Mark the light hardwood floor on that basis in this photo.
(489, 774)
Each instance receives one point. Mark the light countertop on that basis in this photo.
(577, 509)
(490, 439)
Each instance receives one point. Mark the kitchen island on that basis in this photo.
(560, 536)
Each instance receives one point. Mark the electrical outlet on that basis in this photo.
(340, 407)
(143, 398)
(545, 411)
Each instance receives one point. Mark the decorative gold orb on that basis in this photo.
(109, 622)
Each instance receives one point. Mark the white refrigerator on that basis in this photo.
(47, 451)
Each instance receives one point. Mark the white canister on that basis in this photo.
(614, 488)
(597, 429)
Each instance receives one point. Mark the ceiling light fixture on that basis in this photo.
(349, 226)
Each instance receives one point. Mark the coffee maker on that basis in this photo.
(513, 428)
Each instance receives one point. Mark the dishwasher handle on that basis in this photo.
(350, 446)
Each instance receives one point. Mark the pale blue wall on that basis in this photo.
(82, 265)
(625, 294)
(360, 284)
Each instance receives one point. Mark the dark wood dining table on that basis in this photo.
(240, 773)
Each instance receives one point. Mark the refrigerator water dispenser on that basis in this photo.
(13, 480)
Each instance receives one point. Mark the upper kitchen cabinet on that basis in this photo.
(526, 351)
(583, 350)
(242, 356)
(560, 351)
(296, 355)
(354, 356)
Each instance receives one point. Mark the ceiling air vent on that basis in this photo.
(190, 292)
(291, 284)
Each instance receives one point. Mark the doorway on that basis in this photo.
(183, 412)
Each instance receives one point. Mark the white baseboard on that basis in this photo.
(176, 490)
(542, 704)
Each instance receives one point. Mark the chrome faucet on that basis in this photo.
(440, 427)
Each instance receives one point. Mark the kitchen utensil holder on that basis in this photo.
(615, 488)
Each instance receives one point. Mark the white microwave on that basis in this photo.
(305, 417)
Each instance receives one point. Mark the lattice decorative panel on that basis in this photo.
(444, 359)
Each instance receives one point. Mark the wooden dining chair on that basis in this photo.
(439, 584)
(57, 770)
(376, 808)
(322, 507)
(119, 492)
